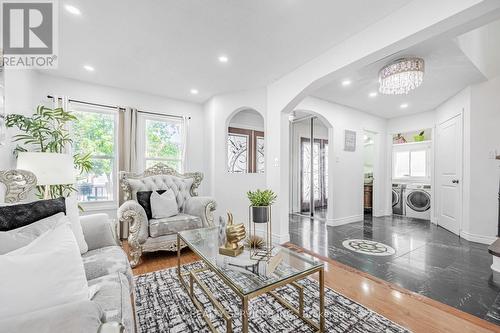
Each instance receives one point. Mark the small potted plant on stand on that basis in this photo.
(260, 212)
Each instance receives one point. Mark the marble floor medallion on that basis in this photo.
(368, 247)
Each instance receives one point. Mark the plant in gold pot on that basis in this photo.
(261, 200)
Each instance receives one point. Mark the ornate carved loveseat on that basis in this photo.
(148, 234)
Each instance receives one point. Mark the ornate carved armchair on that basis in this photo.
(149, 234)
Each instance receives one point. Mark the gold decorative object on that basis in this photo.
(254, 242)
(234, 234)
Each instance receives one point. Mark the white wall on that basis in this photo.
(230, 188)
(248, 119)
(346, 176)
(482, 48)
(19, 86)
(484, 169)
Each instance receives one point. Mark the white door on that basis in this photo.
(449, 174)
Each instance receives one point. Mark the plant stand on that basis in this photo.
(264, 253)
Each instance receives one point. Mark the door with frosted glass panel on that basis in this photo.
(319, 161)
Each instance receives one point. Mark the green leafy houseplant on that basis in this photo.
(47, 130)
(261, 198)
(260, 202)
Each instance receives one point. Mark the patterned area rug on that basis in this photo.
(369, 247)
(163, 305)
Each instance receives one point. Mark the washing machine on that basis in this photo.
(398, 205)
(417, 200)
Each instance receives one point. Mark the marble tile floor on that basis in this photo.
(429, 260)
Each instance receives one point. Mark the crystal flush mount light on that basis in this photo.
(401, 76)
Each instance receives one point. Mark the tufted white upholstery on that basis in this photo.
(180, 186)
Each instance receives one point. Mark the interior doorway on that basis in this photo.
(368, 170)
(309, 160)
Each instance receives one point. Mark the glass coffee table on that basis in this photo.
(247, 277)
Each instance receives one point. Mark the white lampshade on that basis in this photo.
(49, 168)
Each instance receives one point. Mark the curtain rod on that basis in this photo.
(116, 107)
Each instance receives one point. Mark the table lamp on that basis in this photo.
(49, 168)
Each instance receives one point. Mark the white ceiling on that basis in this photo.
(168, 47)
(447, 71)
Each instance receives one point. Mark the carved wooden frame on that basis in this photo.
(18, 184)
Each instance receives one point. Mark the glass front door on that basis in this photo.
(318, 173)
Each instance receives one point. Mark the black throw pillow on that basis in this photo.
(144, 199)
(20, 215)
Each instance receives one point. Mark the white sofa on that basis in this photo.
(106, 266)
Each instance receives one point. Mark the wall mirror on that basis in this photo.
(245, 142)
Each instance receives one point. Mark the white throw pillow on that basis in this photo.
(47, 272)
(16, 238)
(164, 205)
(73, 213)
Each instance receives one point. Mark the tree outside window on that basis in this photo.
(95, 132)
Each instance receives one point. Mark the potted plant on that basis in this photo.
(420, 137)
(47, 131)
(260, 200)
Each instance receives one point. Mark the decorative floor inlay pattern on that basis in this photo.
(368, 247)
(162, 305)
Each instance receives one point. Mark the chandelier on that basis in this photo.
(401, 76)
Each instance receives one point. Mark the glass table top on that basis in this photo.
(244, 273)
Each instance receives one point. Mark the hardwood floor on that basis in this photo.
(411, 310)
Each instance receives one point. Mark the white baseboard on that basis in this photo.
(379, 213)
(434, 220)
(280, 239)
(276, 238)
(344, 220)
(477, 238)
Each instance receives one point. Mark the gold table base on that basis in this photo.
(193, 278)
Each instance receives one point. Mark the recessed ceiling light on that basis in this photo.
(346, 83)
(89, 68)
(73, 10)
(404, 106)
(223, 59)
(373, 94)
(194, 91)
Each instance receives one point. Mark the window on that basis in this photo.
(162, 141)
(95, 132)
(411, 161)
(245, 150)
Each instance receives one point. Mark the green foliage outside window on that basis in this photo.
(163, 141)
(94, 134)
(160, 139)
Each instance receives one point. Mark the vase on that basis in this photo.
(419, 138)
(260, 214)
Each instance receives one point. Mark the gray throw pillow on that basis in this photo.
(163, 205)
(144, 199)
